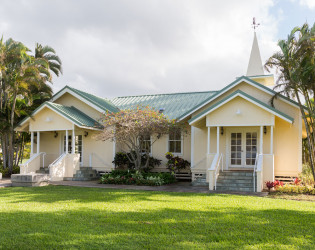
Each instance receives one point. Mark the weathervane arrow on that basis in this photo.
(255, 25)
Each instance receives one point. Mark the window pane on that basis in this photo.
(178, 147)
(172, 146)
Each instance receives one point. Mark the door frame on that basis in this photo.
(62, 143)
(242, 130)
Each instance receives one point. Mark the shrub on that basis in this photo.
(306, 175)
(136, 177)
(5, 171)
(175, 163)
(121, 160)
(291, 188)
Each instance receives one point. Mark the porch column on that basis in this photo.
(261, 140)
(32, 143)
(218, 139)
(67, 142)
(208, 148)
(192, 145)
(38, 140)
(271, 140)
(73, 142)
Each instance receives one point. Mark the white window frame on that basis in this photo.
(63, 141)
(150, 153)
(181, 148)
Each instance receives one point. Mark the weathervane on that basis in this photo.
(255, 25)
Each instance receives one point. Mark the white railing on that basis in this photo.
(33, 164)
(254, 173)
(217, 167)
(56, 169)
(212, 170)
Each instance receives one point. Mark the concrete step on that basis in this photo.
(85, 174)
(236, 173)
(83, 179)
(245, 181)
(242, 189)
(235, 177)
(235, 185)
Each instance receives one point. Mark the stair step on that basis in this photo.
(242, 189)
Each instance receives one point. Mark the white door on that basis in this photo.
(242, 148)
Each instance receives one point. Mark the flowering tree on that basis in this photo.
(131, 127)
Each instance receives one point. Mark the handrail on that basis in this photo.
(57, 160)
(216, 170)
(32, 158)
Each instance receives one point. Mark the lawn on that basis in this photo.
(75, 217)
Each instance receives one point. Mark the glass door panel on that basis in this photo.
(236, 149)
(251, 148)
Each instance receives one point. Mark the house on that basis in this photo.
(238, 141)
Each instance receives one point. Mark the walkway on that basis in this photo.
(184, 187)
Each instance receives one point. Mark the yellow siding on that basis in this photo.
(250, 114)
(48, 120)
(70, 100)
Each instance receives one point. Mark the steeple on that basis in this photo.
(255, 66)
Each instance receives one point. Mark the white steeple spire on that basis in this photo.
(255, 66)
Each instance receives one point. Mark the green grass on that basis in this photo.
(74, 217)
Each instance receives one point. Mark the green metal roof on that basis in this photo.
(75, 115)
(203, 113)
(102, 103)
(174, 105)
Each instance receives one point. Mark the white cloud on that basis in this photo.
(309, 3)
(122, 47)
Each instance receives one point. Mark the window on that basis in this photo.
(146, 144)
(175, 142)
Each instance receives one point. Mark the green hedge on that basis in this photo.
(5, 171)
(137, 178)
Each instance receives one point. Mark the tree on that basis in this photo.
(129, 128)
(23, 79)
(295, 63)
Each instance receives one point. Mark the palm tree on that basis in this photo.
(23, 80)
(295, 63)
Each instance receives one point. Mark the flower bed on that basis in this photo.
(137, 178)
(297, 187)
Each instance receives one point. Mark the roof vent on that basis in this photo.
(161, 110)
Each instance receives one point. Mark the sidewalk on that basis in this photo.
(184, 187)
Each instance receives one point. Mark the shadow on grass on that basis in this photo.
(115, 221)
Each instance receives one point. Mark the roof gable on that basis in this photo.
(248, 98)
(230, 86)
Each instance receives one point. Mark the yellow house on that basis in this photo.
(238, 141)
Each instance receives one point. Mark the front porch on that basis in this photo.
(234, 151)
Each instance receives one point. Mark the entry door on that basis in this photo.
(78, 145)
(243, 149)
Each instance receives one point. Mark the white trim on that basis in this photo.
(32, 143)
(73, 142)
(67, 142)
(240, 125)
(38, 142)
(208, 144)
(71, 92)
(192, 146)
(218, 140)
(181, 147)
(232, 86)
(246, 98)
(261, 140)
(271, 140)
(114, 152)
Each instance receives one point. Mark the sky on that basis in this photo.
(121, 47)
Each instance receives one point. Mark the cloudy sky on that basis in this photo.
(132, 47)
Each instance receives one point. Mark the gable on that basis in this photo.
(259, 88)
(48, 120)
(69, 100)
(245, 96)
(239, 112)
(256, 93)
